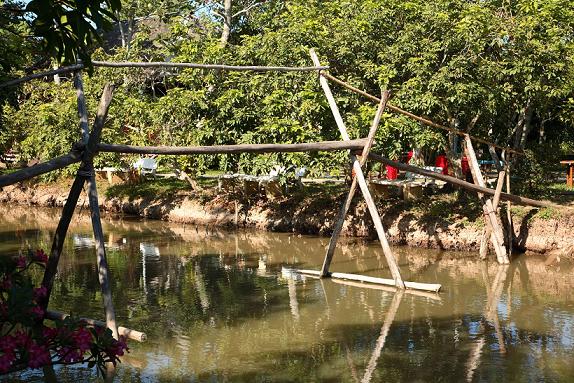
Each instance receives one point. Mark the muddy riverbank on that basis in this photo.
(436, 222)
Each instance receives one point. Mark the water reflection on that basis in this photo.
(223, 306)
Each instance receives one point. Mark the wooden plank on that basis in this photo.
(352, 190)
(434, 287)
(42, 168)
(422, 120)
(242, 148)
(123, 331)
(391, 261)
(466, 185)
(490, 214)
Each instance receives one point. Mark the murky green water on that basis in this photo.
(221, 307)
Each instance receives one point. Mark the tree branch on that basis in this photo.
(247, 9)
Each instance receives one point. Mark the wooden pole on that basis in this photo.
(67, 69)
(87, 171)
(391, 261)
(123, 331)
(347, 203)
(489, 212)
(510, 231)
(82, 109)
(432, 287)
(128, 64)
(243, 148)
(495, 201)
(42, 168)
(466, 185)
(422, 120)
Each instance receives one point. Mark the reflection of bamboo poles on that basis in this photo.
(200, 286)
(493, 295)
(293, 304)
(389, 318)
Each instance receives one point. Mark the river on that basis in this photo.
(226, 307)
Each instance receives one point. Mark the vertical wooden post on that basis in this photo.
(82, 109)
(510, 231)
(361, 180)
(489, 212)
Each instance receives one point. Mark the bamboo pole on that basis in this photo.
(411, 115)
(433, 287)
(249, 68)
(243, 148)
(495, 201)
(88, 172)
(66, 69)
(82, 109)
(103, 272)
(128, 64)
(391, 261)
(489, 212)
(122, 331)
(466, 185)
(42, 168)
(347, 203)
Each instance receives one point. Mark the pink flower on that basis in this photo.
(117, 348)
(6, 283)
(83, 339)
(6, 361)
(49, 333)
(39, 356)
(21, 338)
(21, 262)
(70, 355)
(41, 256)
(40, 292)
(8, 344)
(37, 311)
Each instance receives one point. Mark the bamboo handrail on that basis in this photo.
(414, 116)
(242, 148)
(38, 169)
(466, 185)
(130, 64)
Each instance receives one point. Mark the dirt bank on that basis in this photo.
(437, 222)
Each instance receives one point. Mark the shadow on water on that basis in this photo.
(227, 307)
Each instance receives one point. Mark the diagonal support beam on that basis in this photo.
(489, 213)
(360, 179)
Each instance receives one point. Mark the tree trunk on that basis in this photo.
(227, 16)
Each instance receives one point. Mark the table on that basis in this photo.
(569, 172)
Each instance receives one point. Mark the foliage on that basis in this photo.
(505, 66)
(26, 343)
